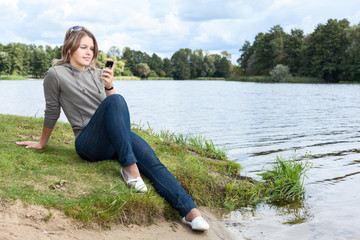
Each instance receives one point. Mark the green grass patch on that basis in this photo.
(195, 143)
(286, 180)
(302, 80)
(126, 78)
(210, 78)
(12, 77)
(262, 79)
(266, 79)
(159, 78)
(56, 177)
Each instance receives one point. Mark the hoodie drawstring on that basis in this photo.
(78, 82)
(99, 90)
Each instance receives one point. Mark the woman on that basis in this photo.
(101, 123)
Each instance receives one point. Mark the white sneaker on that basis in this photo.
(198, 224)
(134, 183)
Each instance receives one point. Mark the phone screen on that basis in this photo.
(109, 64)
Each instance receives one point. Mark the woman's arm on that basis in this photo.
(52, 110)
(46, 133)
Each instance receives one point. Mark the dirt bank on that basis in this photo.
(36, 222)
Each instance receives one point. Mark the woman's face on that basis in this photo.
(84, 54)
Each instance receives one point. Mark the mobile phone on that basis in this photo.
(109, 64)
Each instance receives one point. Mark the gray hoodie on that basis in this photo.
(77, 93)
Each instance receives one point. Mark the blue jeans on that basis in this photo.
(108, 136)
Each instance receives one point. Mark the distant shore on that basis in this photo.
(259, 79)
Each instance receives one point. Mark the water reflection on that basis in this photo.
(294, 213)
(258, 217)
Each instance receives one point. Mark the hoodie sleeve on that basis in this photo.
(51, 92)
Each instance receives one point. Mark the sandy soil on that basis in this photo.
(27, 222)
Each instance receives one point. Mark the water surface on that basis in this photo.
(257, 122)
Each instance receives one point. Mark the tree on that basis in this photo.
(269, 50)
(208, 69)
(180, 64)
(196, 63)
(132, 58)
(168, 69)
(156, 63)
(28, 55)
(57, 52)
(50, 55)
(5, 63)
(326, 50)
(39, 64)
(101, 59)
(226, 55)
(223, 68)
(143, 70)
(119, 68)
(247, 51)
(128, 57)
(293, 47)
(217, 65)
(16, 56)
(114, 52)
(352, 54)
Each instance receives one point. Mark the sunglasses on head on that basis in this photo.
(76, 29)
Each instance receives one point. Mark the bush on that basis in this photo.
(152, 74)
(162, 73)
(280, 72)
(127, 73)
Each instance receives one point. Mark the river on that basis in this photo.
(256, 122)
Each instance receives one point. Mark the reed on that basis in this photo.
(286, 180)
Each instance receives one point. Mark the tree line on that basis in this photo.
(331, 52)
(31, 60)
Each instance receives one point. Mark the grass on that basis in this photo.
(126, 78)
(261, 79)
(12, 77)
(266, 79)
(138, 78)
(159, 78)
(195, 143)
(286, 180)
(56, 177)
(302, 80)
(210, 78)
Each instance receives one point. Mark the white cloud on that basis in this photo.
(165, 26)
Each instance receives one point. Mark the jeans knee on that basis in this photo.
(116, 100)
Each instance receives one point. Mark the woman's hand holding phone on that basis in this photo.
(108, 75)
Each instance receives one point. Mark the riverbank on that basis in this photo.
(259, 79)
(20, 221)
(13, 77)
(94, 195)
(267, 79)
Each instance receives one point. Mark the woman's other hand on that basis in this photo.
(29, 144)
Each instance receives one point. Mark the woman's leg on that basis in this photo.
(163, 181)
(107, 135)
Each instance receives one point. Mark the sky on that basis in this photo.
(165, 26)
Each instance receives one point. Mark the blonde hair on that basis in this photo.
(72, 42)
